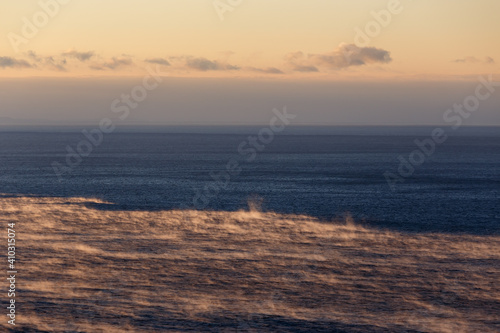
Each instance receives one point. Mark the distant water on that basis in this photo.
(455, 190)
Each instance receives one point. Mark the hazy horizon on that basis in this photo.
(216, 101)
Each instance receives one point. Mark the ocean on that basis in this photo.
(206, 232)
(456, 189)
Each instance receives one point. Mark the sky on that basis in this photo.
(364, 62)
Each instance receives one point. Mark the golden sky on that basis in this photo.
(412, 39)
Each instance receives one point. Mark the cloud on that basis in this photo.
(60, 63)
(299, 68)
(474, 60)
(159, 61)
(489, 60)
(14, 63)
(32, 55)
(346, 55)
(50, 62)
(82, 56)
(113, 64)
(203, 64)
(269, 70)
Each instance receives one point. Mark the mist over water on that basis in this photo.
(83, 269)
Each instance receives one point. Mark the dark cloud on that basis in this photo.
(346, 55)
(14, 63)
(269, 70)
(299, 68)
(82, 56)
(159, 61)
(474, 60)
(203, 64)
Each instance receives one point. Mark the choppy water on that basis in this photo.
(456, 190)
(116, 246)
(83, 269)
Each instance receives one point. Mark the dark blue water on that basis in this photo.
(455, 190)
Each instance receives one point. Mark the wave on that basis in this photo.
(91, 270)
